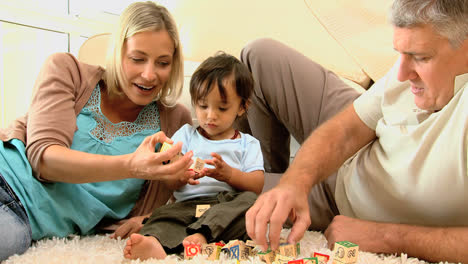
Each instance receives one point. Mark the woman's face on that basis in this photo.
(147, 64)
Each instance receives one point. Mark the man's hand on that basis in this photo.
(368, 235)
(273, 208)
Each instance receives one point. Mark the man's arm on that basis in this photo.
(327, 148)
(321, 154)
(432, 244)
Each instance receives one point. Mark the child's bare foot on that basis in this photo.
(143, 247)
(196, 238)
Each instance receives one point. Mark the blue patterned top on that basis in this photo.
(60, 209)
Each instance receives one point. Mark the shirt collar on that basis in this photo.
(460, 82)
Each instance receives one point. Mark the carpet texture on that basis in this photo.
(101, 249)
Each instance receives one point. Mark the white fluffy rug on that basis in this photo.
(102, 249)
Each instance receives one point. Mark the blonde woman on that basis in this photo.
(84, 155)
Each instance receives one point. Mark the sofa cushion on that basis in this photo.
(209, 26)
(361, 27)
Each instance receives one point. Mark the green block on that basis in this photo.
(347, 244)
(264, 252)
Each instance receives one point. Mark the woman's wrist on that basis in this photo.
(125, 166)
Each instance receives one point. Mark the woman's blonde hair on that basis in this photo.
(141, 17)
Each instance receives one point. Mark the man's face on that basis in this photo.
(430, 63)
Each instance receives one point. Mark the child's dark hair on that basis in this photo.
(215, 69)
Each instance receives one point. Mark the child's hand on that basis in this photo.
(193, 181)
(221, 172)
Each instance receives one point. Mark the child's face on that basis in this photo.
(215, 116)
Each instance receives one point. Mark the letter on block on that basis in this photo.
(290, 250)
(211, 250)
(197, 165)
(345, 252)
(201, 209)
(267, 256)
(191, 251)
(280, 259)
(322, 258)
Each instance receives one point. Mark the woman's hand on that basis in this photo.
(132, 225)
(221, 171)
(147, 164)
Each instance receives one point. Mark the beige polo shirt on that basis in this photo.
(416, 170)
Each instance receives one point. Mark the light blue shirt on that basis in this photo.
(242, 153)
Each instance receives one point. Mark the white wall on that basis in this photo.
(31, 30)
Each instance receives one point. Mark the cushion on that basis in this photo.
(361, 27)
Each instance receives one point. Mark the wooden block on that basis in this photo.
(211, 250)
(232, 243)
(197, 165)
(165, 146)
(345, 252)
(201, 209)
(267, 256)
(281, 259)
(290, 250)
(235, 252)
(191, 251)
(322, 258)
(313, 260)
(238, 250)
(252, 247)
(221, 244)
(250, 243)
(297, 261)
(245, 252)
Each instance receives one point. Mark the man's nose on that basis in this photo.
(406, 69)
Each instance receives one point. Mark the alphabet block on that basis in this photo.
(211, 250)
(313, 260)
(322, 258)
(267, 256)
(280, 259)
(345, 252)
(191, 251)
(290, 250)
(165, 146)
(201, 209)
(297, 261)
(197, 165)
